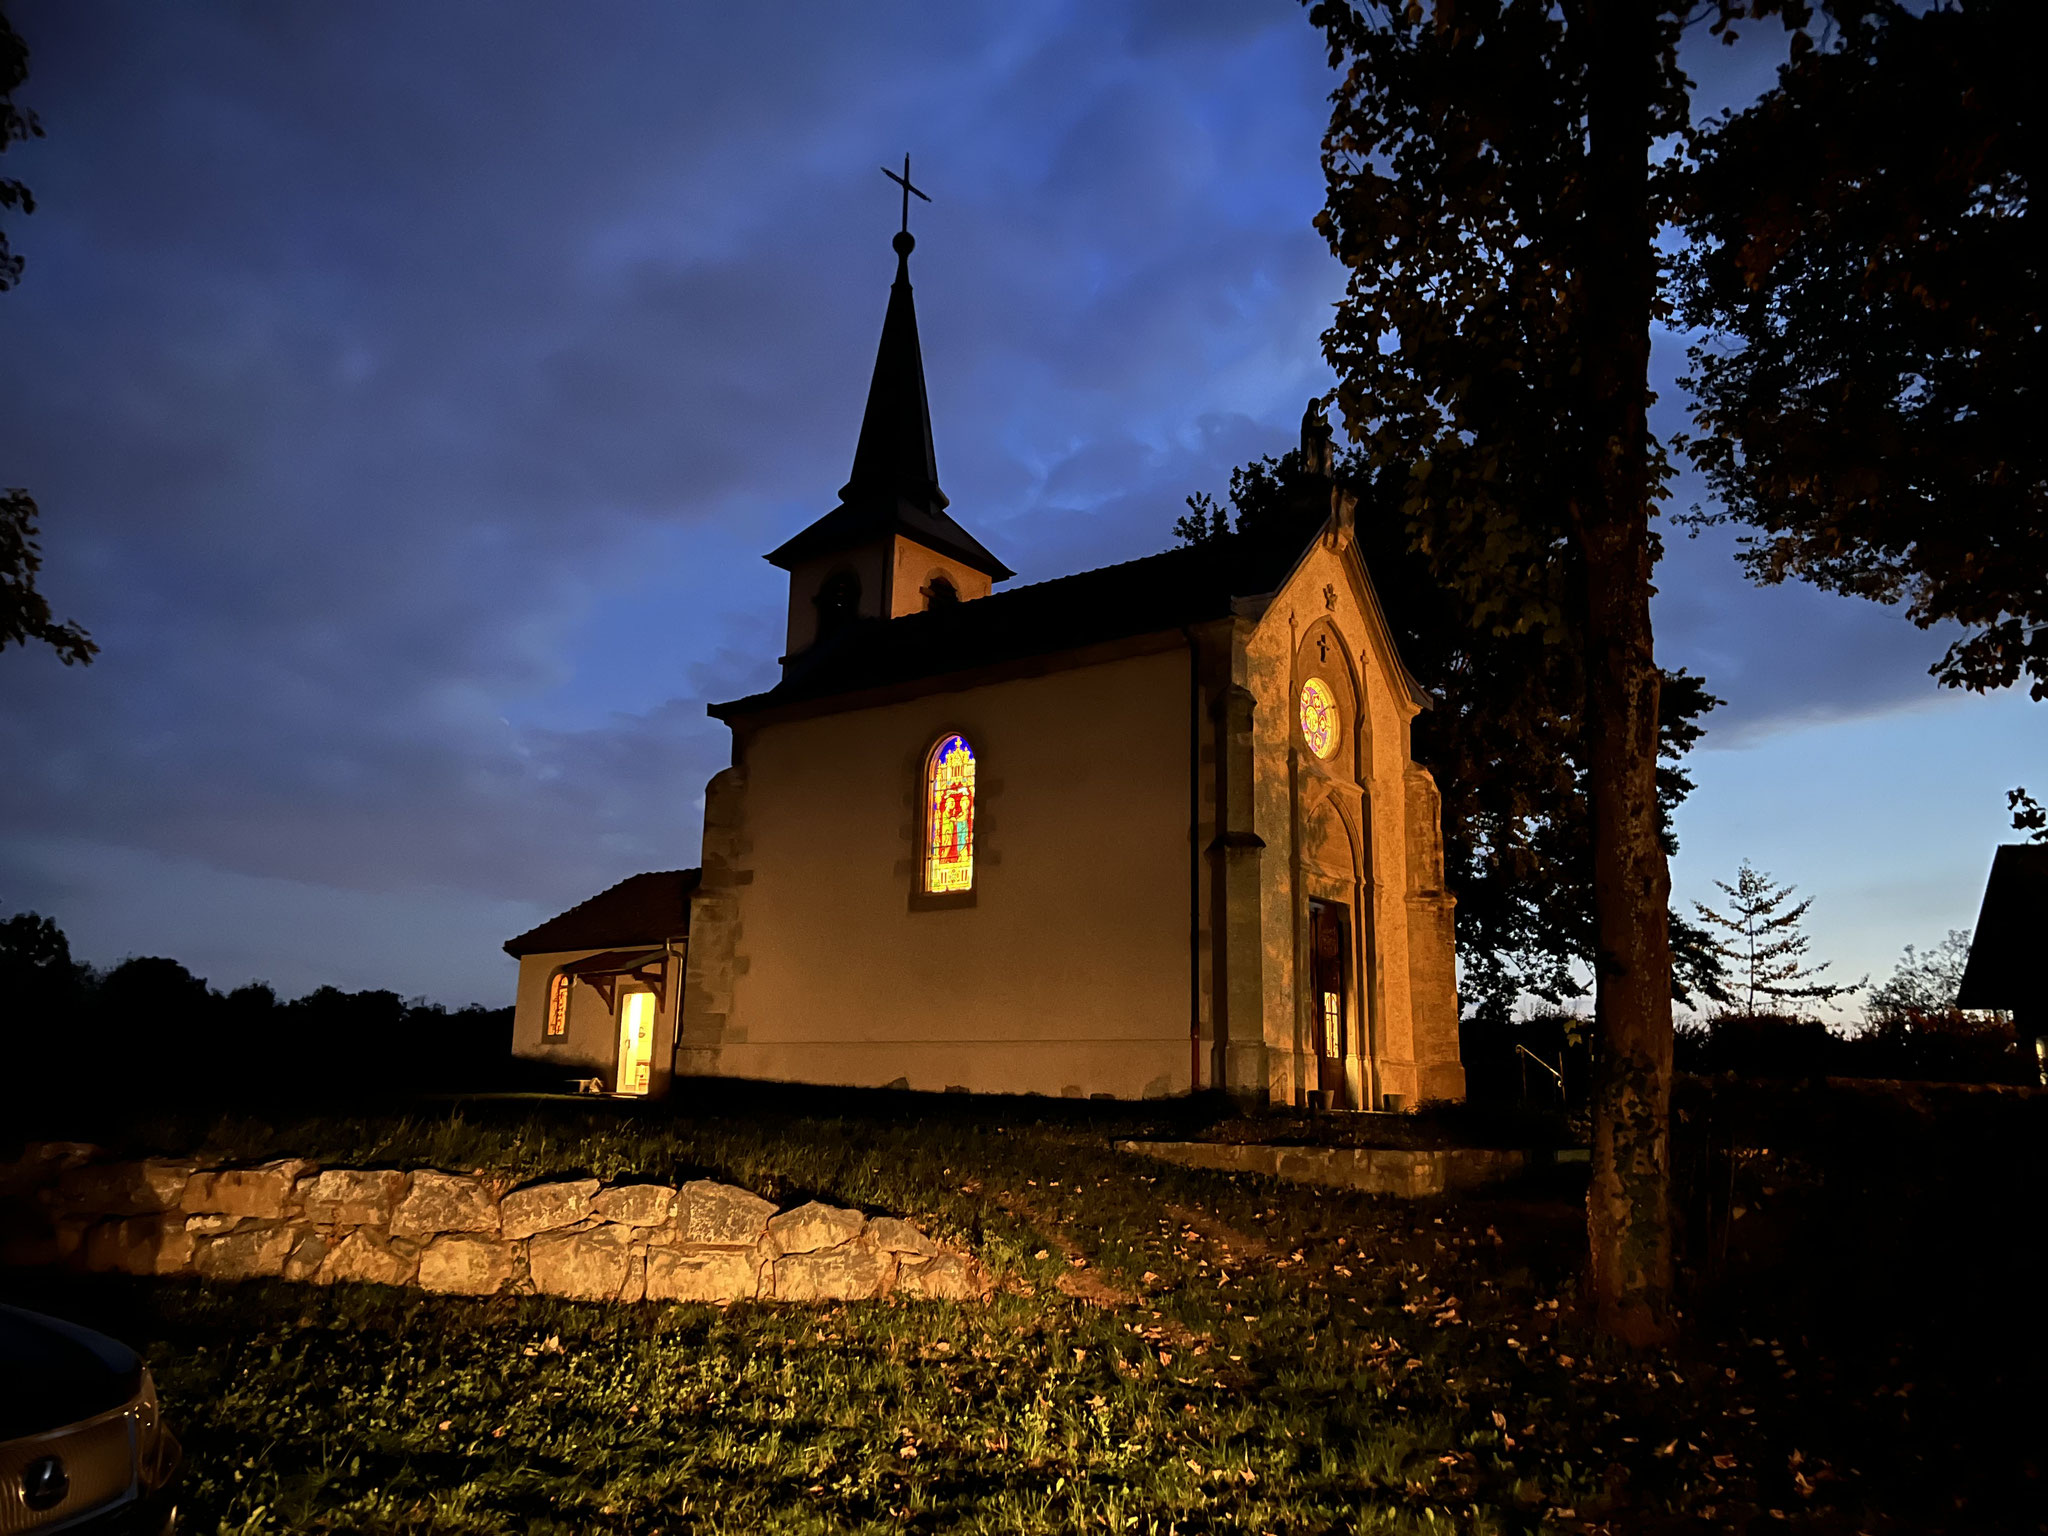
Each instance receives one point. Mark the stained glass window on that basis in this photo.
(558, 1005)
(949, 816)
(1319, 717)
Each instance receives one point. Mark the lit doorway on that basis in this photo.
(636, 1040)
(1329, 953)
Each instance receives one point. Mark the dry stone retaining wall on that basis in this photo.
(461, 1234)
(1375, 1170)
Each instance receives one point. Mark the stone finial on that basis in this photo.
(1317, 456)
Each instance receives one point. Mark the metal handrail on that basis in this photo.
(1556, 1072)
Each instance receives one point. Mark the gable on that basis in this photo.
(2004, 965)
(640, 910)
(1325, 558)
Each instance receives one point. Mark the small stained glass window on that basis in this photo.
(1319, 717)
(949, 816)
(558, 1005)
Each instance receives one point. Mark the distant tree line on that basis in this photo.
(1912, 1031)
(147, 1033)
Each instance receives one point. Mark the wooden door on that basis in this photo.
(1330, 954)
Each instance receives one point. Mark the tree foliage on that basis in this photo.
(1867, 265)
(1502, 738)
(1765, 950)
(16, 124)
(24, 612)
(160, 1033)
(1492, 194)
(2028, 814)
(1923, 984)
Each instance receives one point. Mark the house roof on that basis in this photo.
(640, 910)
(2004, 969)
(894, 487)
(1139, 597)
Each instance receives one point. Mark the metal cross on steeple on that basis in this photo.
(903, 181)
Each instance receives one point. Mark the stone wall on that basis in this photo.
(1375, 1170)
(460, 1234)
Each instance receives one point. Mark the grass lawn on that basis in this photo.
(1171, 1351)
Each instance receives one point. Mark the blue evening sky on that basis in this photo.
(411, 391)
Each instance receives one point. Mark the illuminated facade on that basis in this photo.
(1135, 832)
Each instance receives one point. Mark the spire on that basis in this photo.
(894, 459)
(894, 489)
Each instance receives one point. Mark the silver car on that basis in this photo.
(83, 1448)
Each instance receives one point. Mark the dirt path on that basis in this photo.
(1228, 1241)
(1081, 1281)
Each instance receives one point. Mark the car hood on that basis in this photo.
(54, 1373)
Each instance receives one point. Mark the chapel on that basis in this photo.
(1136, 832)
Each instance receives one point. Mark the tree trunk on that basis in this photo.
(1628, 1209)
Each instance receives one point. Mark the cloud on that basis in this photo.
(411, 391)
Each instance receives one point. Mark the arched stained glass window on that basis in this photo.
(949, 816)
(558, 1005)
(1319, 720)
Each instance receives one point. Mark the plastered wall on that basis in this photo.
(912, 568)
(1069, 972)
(590, 1048)
(892, 581)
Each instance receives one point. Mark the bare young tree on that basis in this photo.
(1765, 950)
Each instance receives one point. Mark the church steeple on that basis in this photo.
(895, 458)
(889, 547)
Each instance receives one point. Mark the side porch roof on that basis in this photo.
(639, 911)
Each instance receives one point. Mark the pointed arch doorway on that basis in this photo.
(1330, 971)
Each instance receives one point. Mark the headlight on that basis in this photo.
(153, 1447)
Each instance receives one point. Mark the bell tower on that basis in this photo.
(889, 548)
